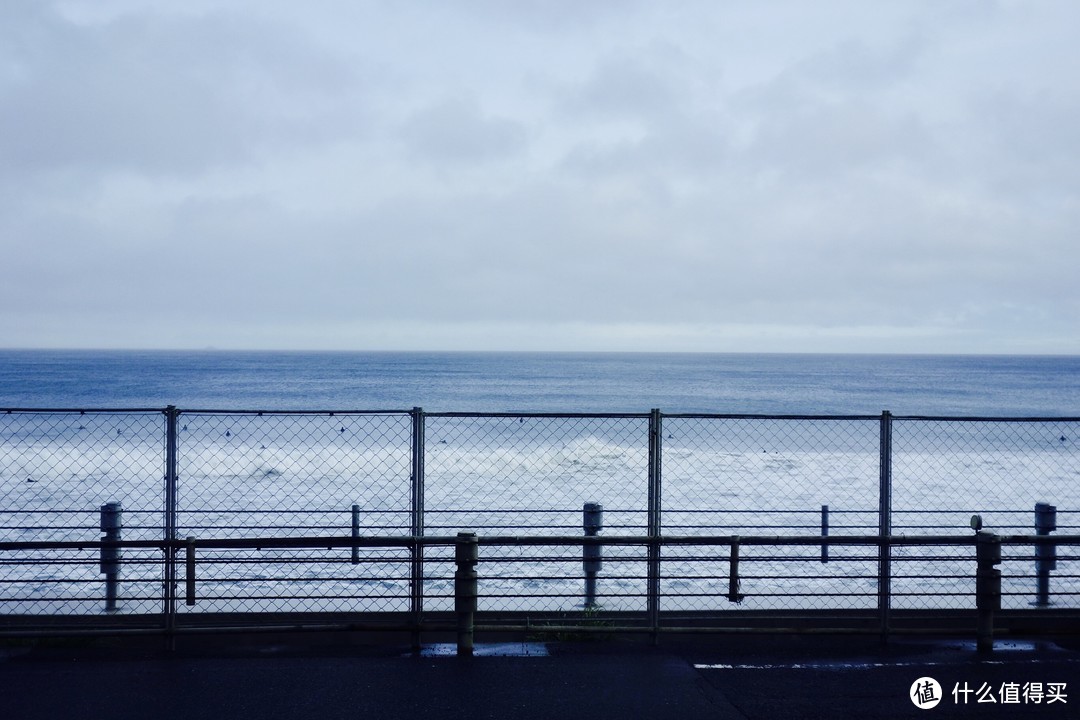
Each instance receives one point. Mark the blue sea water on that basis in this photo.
(241, 475)
(1016, 386)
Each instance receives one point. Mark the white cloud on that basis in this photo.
(172, 94)
(456, 130)
(771, 176)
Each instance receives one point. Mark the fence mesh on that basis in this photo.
(56, 471)
(946, 469)
(760, 476)
(262, 475)
(517, 475)
(296, 475)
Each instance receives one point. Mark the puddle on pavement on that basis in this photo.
(487, 650)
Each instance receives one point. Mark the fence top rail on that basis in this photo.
(328, 413)
(528, 414)
(753, 416)
(568, 415)
(82, 411)
(340, 541)
(975, 418)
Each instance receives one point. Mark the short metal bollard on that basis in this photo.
(987, 587)
(592, 555)
(733, 573)
(1045, 554)
(189, 566)
(355, 534)
(466, 555)
(111, 524)
(824, 533)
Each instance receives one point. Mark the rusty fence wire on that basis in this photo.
(366, 474)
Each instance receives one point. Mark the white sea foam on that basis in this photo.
(504, 476)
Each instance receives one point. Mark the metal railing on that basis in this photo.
(468, 596)
(265, 479)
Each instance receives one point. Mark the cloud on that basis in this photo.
(616, 175)
(172, 94)
(456, 131)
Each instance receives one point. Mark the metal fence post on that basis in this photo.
(733, 572)
(592, 555)
(355, 555)
(111, 524)
(169, 581)
(1045, 554)
(654, 522)
(987, 587)
(466, 555)
(189, 560)
(824, 533)
(885, 525)
(416, 573)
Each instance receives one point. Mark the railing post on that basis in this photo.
(169, 581)
(189, 560)
(987, 587)
(824, 533)
(733, 572)
(466, 555)
(1045, 554)
(592, 555)
(355, 534)
(654, 522)
(416, 573)
(111, 524)
(885, 525)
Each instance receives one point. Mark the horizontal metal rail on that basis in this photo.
(528, 414)
(239, 477)
(407, 541)
(191, 546)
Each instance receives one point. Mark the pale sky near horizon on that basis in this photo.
(829, 176)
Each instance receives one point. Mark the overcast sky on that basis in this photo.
(837, 175)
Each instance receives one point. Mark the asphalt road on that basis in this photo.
(681, 679)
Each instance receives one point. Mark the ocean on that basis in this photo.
(517, 443)
(544, 382)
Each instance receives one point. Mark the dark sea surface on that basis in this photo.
(245, 475)
(1014, 386)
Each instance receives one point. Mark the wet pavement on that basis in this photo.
(679, 679)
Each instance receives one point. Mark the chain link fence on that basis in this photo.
(945, 470)
(762, 476)
(402, 474)
(532, 475)
(296, 475)
(57, 469)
